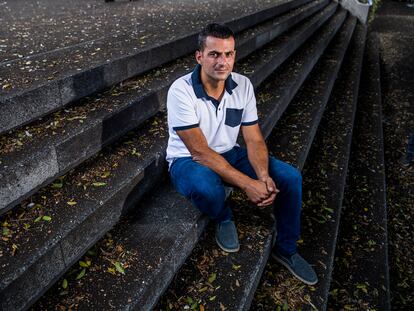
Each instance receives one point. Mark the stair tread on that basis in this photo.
(67, 74)
(324, 177)
(295, 131)
(154, 241)
(108, 21)
(327, 171)
(361, 262)
(132, 162)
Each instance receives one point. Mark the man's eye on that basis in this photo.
(215, 55)
(229, 54)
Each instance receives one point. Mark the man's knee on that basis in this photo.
(287, 176)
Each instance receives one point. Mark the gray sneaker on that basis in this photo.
(298, 266)
(226, 236)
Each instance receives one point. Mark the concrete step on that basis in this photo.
(275, 94)
(44, 28)
(324, 173)
(294, 134)
(47, 148)
(73, 231)
(238, 273)
(87, 240)
(79, 208)
(361, 277)
(36, 87)
(324, 178)
(154, 242)
(292, 139)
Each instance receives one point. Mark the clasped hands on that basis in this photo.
(262, 191)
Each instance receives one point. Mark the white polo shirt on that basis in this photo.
(189, 106)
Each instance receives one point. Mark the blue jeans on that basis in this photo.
(206, 191)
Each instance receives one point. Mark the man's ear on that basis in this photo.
(198, 55)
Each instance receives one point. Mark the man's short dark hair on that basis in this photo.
(214, 30)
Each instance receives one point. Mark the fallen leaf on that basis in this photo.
(99, 184)
(212, 278)
(65, 284)
(119, 267)
(81, 274)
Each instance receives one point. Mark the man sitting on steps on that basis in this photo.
(206, 109)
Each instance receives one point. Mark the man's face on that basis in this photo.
(217, 58)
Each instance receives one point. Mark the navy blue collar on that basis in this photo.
(199, 91)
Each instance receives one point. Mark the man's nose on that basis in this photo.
(222, 59)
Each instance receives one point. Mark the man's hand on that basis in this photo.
(257, 191)
(272, 191)
(262, 192)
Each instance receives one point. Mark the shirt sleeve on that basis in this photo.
(180, 109)
(250, 112)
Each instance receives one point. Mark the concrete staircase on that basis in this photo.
(89, 219)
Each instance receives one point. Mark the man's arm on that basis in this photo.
(196, 143)
(259, 158)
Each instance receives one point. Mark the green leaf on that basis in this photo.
(189, 300)
(57, 185)
(47, 218)
(38, 219)
(99, 184)
(111, 271)
(212, 278)
(71, 203)
(105, 174)
(6, 231)
(119, 267)
(330, 210)
(212, 298)
(65, 284)
(236, 267)
(285, 306)
(83, 264)
(81, 274)
(201, 290)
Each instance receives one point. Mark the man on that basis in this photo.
(206, 109)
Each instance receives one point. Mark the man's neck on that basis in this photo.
(213, 88)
